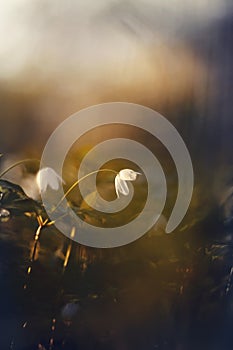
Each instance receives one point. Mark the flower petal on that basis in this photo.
(128, 174)
(48, 177)
(41, 180)
(121, 186)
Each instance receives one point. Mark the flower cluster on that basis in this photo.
(47, 177)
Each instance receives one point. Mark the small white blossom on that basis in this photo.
(121, 179)
(47, 177)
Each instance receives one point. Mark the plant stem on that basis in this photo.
(18, 163)
(79, 180)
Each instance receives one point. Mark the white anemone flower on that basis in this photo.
(121, 179)
(47, 177)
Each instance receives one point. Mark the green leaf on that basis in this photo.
(14, 199)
